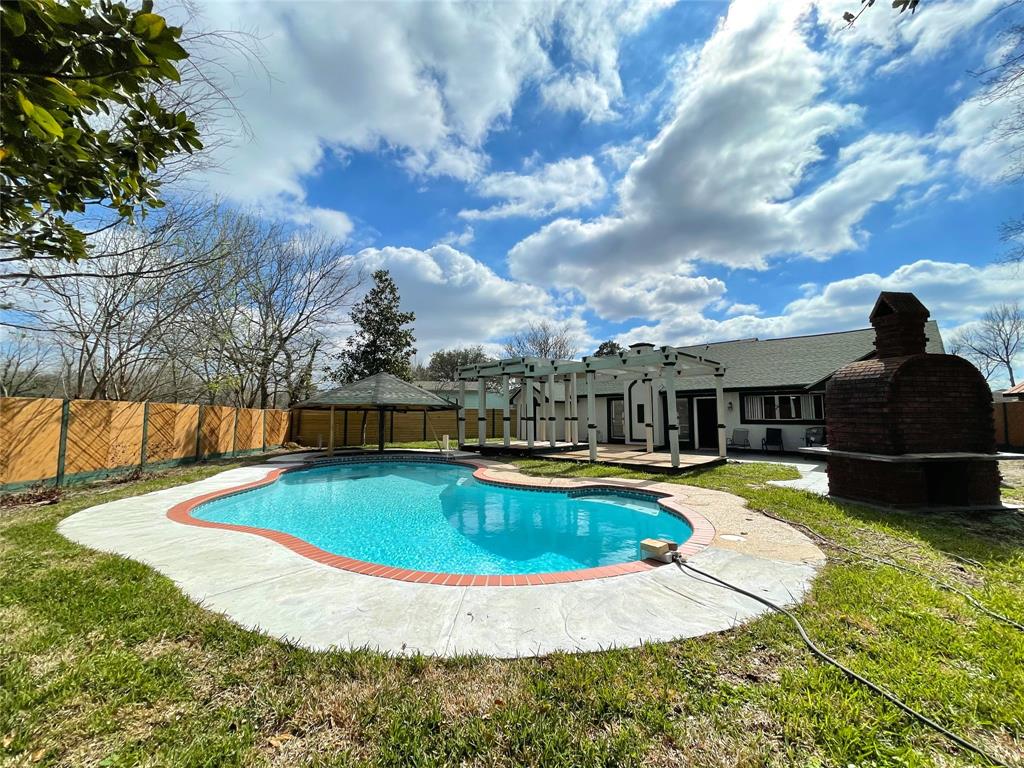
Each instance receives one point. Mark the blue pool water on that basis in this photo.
(437, 517)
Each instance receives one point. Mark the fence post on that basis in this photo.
(199, 433)
(234, 435)
(264, 413)
(62, 450)
(145, 434)
(424, 425)
(344, 436)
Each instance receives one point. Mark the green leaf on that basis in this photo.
(149, 24)
(14, 20)
(26, 106)
(45, 120)
(168, 49)
(141, 57)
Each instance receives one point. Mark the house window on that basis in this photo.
(789, 407)
(757, 408)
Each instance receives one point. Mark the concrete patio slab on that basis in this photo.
(265, 586)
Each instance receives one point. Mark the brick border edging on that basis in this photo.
(703, 530)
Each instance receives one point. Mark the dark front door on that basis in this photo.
(616, 420)
(707, 423)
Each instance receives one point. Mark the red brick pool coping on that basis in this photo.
(703, 532)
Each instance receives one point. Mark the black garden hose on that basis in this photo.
(682, 563)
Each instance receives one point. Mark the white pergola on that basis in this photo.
(640, 362)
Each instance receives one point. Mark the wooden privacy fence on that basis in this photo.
(313, 427)
(66, 441)
(1009, 419)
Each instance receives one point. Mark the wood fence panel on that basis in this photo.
(1009, 424)
(249, 432)
(125, 434)
(217, 430)
(171, 435)
(29, 438)
(277, 427)
(88, 446)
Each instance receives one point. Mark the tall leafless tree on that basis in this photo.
(543, 339)
(994, 344)
(276, 297)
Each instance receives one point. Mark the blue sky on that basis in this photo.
(660, 172)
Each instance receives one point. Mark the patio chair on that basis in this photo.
(740, 439)
(814, 436)
(772, 439)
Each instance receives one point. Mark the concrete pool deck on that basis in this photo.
(263, 585)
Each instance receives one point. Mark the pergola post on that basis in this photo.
(668, 376)
(566, 412)
(648, 386)
(720, 409)
(553, 436)
(573, 397)
(531, 412)
(542, 422)
(461, 412)
(591, 415)
(481, 411)
(330, 439)
(506, 418)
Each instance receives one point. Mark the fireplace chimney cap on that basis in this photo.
(899, 303)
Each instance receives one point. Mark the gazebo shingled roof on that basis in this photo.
(380, 391)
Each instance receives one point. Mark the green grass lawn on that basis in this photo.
(104, 662)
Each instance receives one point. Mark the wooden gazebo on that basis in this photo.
(382, 393)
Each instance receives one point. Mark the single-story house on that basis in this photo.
(450, 391)
(767, 383)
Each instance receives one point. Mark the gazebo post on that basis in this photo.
(591, 415)
(481, 411)
(506, 433)
(330, 439)
(380, 430)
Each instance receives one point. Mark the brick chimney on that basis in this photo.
(898, 320)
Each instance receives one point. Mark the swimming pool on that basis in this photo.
(437, 517)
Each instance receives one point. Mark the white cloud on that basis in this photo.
(459, 301)
(972, 134)
(884, 41)
(955, 294)
(460, 239)
(591, 33)
(425, 82)
(716, 185)
(565, 185)
(583, 94)
(743, 309)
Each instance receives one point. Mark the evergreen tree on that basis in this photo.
(609, 347)
(380, 343)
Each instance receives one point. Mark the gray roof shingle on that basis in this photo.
(382, 390)
(797, 361)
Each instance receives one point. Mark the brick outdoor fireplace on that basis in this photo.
(910, 429)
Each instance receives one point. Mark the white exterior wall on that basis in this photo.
(793, 435)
